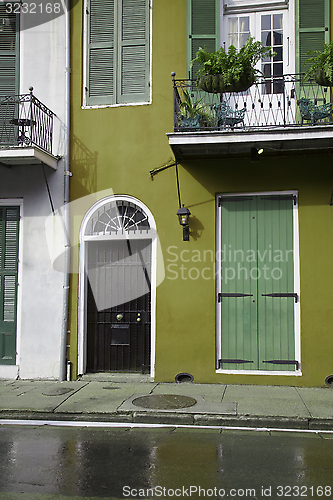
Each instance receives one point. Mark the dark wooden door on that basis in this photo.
(119, 305)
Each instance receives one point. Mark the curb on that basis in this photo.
(199, 420)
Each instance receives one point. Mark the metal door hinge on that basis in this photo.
(286, 197)
(67, 172)
(284, 362)
(234, 198)
(234, 361)
(294, 295)
(220, 295)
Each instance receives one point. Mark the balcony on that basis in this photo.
(281, 115)
(26, 131)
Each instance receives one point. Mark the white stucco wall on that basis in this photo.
(43, 67)
(40, 297)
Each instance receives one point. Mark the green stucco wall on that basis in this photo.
(117, 147)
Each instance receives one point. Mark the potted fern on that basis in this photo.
(232, 71)
(195, 114)
(321, 68)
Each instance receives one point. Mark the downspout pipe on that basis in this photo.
(63, 346)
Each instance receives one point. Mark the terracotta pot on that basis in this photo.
(215, 84)
(321, 78)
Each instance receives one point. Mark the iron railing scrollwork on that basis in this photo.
(25, 121)
(272, 102)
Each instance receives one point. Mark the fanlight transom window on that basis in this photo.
(117, 216)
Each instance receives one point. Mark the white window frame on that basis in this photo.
(256, 8)
(297, 287)
(85, 70)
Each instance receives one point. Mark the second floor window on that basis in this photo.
(117, 65)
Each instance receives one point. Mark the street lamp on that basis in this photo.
(183, 216)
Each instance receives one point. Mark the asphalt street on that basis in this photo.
(49, 462)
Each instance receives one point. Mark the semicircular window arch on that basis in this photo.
(118, 217)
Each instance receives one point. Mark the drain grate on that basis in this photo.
(164, 401)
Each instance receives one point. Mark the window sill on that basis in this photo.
(121, 105)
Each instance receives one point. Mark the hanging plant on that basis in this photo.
(232, 71)
(321, 68)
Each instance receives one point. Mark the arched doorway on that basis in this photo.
(117, 287)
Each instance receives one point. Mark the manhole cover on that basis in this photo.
(164, 401)
(57, 391)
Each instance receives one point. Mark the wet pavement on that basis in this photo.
(134, 400)
(52, 462)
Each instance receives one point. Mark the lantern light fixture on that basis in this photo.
(183, 214)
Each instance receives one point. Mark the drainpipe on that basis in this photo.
(67, 174)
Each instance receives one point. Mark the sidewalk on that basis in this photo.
(111, 399)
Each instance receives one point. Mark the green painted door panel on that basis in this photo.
(257, 261)
(239, 313)
(9, 234)
(276, 265)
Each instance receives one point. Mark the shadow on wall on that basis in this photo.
(272, 173)
(196, 227)
(84, 163)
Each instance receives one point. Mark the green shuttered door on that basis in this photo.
(117, 52)
(9, 233)
(257, 283)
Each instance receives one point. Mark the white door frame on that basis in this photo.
(82, 299)
(297, 286)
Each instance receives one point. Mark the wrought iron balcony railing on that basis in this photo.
(275, 102)
(25, 122)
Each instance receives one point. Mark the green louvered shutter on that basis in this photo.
(117, 52)
(9, 235)
(133, 50)
(101, 52)
(9, 52)
(202, 29)
(312, 29)
(9, 72)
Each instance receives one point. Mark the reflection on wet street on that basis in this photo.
(183, 463)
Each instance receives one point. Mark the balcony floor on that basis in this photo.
(10, 156)
(239, 141)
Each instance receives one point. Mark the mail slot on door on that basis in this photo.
(120, 335)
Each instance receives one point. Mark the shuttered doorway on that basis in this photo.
(9, 238)
(257, 296)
